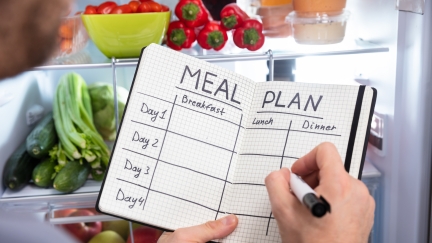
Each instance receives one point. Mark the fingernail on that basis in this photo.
(229, 220)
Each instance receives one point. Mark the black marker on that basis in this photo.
(308, 197)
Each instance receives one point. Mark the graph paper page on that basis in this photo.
(286, 121)
(175, 154)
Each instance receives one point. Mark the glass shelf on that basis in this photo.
(280, 49)
(44, 197)
(32, 198)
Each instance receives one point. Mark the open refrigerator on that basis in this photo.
(384, 47)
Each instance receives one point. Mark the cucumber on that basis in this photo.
(98, 174)
(18, 169)
(42, 138)
(42, 173)
(72, 176)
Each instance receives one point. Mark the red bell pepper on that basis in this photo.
(249, 35)
(180, 36)
(213, 35)
(232, 16)
(192, 12)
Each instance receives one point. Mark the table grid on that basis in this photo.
(158, 159)
(233, 151)
(232, 154)
(280, 167)
(282, 156)
(160, 151)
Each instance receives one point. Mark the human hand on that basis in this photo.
(212, 230)
(352, 207)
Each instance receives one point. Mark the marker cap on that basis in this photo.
(318, 206)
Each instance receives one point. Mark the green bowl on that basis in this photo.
(124, 35)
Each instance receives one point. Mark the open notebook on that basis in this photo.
(196, 142)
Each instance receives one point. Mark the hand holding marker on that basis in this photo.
(307, 196)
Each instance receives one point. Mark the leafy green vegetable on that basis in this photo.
(102, 104)
(73, 119)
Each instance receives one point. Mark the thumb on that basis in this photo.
(211, 230)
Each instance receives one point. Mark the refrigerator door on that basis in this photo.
(404, 96)
(411, 164)
(402, 78)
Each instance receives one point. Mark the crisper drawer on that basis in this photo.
(77, 220)
(372, 178)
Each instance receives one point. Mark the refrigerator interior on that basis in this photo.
(401, 75)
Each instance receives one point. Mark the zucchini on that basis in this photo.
(43, 173)
(42, 138)
(72, 176)
(18, 169)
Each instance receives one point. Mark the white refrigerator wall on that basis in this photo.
(23, 92)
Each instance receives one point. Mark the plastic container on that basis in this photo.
(273, 18)
(321, 29)
(268, 3)
(318, 6)
(72, 37)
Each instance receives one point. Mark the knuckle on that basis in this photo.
(211, 226)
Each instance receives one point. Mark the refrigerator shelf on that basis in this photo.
(32, 198)
(282, 49)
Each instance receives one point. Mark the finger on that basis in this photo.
(211, 230)
(312, 179)
(324, 158)
(164, 237)
(281, 199)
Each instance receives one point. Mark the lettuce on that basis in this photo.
(102, 102)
